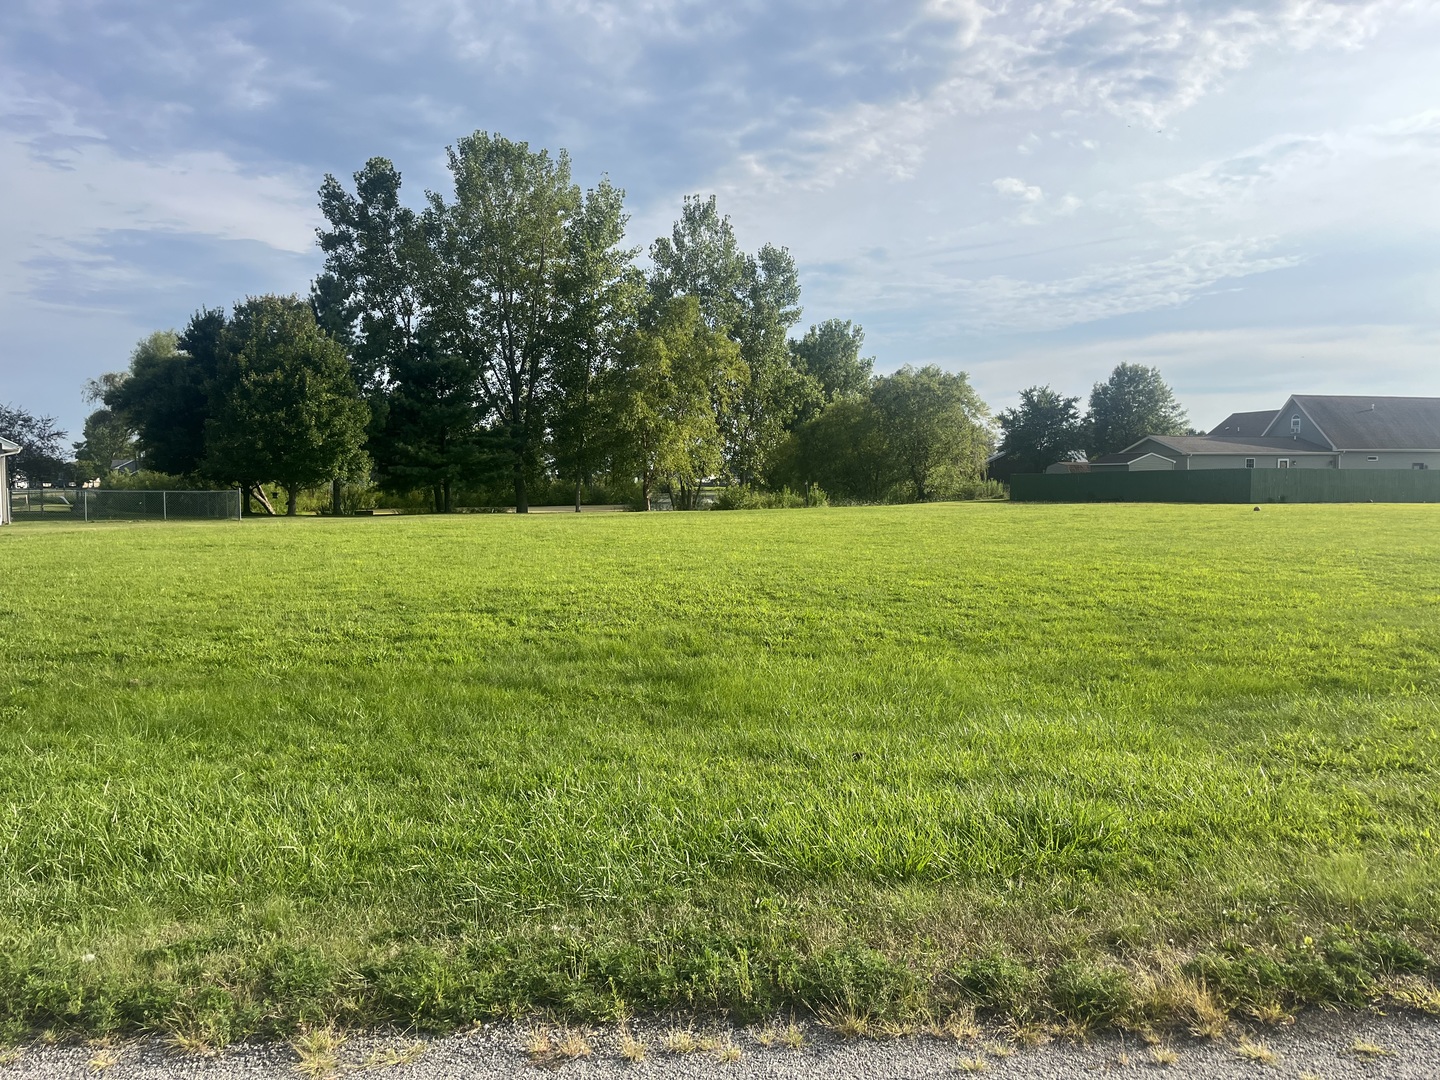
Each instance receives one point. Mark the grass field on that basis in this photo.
(1079, 764)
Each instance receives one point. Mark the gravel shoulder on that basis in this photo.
(1325, 1046)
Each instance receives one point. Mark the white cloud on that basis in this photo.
(1311, 179)
(1001, 303)
(1140, 60)
(1014, 188)
(81, 192)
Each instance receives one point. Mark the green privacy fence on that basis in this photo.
(1232, 486)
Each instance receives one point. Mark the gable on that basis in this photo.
(1353, 422)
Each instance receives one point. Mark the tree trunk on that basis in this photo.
(291, 494)
(577, 496)
(437, 497)
(259, 493)
(335, 496)
(449, 494)
(645, 491)
(522, 500)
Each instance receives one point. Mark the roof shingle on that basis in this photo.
(1245, 423)
(1374, 423)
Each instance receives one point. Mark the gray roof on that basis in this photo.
(1374, 423)
(1207, 444)
(7, 447)
(1246, 423)
(1118, 459)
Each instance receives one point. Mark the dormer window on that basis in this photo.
(1295, 423)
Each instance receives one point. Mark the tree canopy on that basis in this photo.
(1134, 402)
(1044, 428)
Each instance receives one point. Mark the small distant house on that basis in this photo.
(1311, 431)
(8, 450)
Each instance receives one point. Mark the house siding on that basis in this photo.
(1262, 461)
(4, 490)
(1389, 459)
(1149, 446)
(1281, 427)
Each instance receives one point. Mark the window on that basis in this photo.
(1418, 465)
(1249, 463)
(1372, 457)
(1295, 423)
(1283, 463)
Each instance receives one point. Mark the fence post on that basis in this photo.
(164, 506)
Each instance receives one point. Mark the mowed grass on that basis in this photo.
(1078, 764)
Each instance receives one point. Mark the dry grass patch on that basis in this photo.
(960, 1026)
(545, 1047)
(1258, 1052)
(318, 1050)
(191, 1043)
(1032, 1033)
(103, 1061)
(975, 1064)
(847, 1023)
(1414, 993)
(682, 1041)
(389, 1056)
(790, 1035)
(1369, 1050)
(1163, 1056)
(9, 1055)
(631, 1048)
(1272, 1014)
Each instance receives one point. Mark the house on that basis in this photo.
(1247, 424)
(8, 450)
(1311, 431)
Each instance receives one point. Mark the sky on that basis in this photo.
(1245, 195)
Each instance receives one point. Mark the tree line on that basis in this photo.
(503, 336)
(1047, 426)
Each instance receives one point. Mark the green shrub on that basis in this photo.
(742, 497)
(149, 480)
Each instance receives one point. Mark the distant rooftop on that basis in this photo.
(1246, 423)
(1373, 423)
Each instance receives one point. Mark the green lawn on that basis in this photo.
(1096, 763)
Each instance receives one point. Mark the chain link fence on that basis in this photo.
(105, 504)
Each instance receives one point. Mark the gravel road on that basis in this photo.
(1320, 1045)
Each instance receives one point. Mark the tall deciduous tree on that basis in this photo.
(42, 456)
(372, 295)
(774, 391)
(1134, 402)
(830, 354)
(600, 291)
(166, 398)
(663, 400)
(754, 301)
(503, 254)
(426, 421)
(291, 411)
(107, 437)
(935, 425)
(1043, 429)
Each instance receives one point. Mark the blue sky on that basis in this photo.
(1246, 195)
